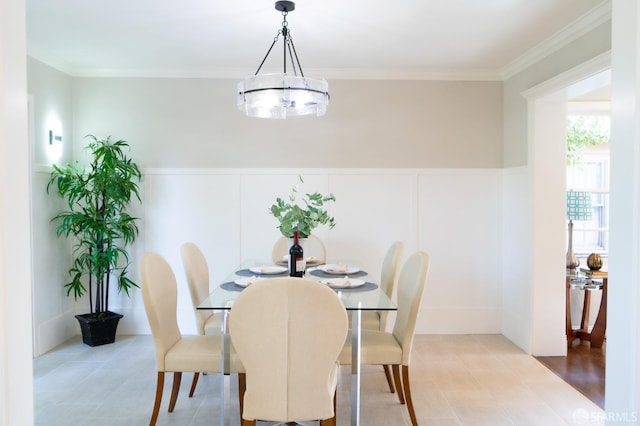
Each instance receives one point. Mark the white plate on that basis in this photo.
(343, 282)
(245, 281)
(268, 270)
(333, 268)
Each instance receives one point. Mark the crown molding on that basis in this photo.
(328, 73)
(49, 59)
(410, 74)
(581, 26)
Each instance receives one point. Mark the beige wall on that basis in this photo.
(195, 123)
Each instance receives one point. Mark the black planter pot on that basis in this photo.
(99, 331)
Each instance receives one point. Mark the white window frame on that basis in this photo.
(577, 183)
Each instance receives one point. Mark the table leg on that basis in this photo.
(356, 336)
(586, 308)
(224, 359)
(568, 326)
(600, 326)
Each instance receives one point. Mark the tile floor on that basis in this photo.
(456, 380)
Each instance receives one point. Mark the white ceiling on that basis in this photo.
(475, 39)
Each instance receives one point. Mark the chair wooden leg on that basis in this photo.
(177, 378)
(156, 404)
(396, 377)
(328, 422)
(407, 393)
(332, 421)
(193, 384)
(242, 387)
(387, 374)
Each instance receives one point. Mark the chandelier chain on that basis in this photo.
(288, 45)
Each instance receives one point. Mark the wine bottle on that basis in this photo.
(296, 258)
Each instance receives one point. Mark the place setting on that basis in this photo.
(248, 276)
(264, 270)
(332, 270)
(311, 261)
(241, 283)
(345, 284)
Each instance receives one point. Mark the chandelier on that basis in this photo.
(287, 94)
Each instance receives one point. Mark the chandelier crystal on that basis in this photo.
(282, 95)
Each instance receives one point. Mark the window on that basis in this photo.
(588, 170)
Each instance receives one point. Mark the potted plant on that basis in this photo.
(302, 216)
(97, 217)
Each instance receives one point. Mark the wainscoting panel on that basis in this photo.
(455, 215)
(459, 225)
(375, 210)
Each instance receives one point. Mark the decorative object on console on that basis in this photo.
(594, 262)
(287, 94)
(302, 218)
(578, 208)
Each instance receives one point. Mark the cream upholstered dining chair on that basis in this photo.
(197, 272)
(376, 320)
(394, 348)
(174, 352)
(288, 333)
(313, 246)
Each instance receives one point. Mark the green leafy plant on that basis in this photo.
(304, 215)
(584, 131)
(97, 217)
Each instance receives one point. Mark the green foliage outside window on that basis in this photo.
(585, 131)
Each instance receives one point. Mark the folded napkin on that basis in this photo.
(248, 281)
(336, 269)
(340, 282)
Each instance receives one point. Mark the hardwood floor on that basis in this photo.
(583, 368)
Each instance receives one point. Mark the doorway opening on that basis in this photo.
(550, 105)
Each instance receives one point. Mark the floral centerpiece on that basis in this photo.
(302, 215)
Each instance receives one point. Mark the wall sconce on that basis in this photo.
(54, 137)
(54, 140)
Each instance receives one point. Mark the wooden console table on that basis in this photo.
(587, 281)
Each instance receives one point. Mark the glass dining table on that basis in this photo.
(365, 295)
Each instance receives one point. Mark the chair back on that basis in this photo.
(313, 246)
(411, 284)
(389, 276)
(197, 272)
(288, 333)
(160, 296)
